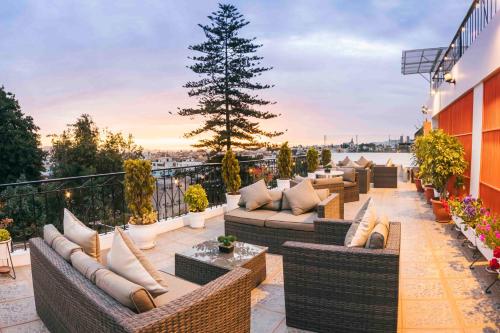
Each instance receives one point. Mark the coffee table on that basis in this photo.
(204, 262)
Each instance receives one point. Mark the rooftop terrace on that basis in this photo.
(438, 291)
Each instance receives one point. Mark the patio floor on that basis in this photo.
(438, 291)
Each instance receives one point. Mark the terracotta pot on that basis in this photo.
(418, 184)
(440, 212)
(429, 193)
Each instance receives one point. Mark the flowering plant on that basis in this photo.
(488, 231)
(472, 211)
(454, 206)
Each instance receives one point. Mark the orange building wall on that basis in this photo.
(489, 188)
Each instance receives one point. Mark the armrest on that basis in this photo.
(331, 231)
(330, 207)
(200, 310)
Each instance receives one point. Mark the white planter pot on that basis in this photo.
(457, 220)
(196, 220)
(283, 184)
(311, 175)
(144, 236)
(232, 201)
(470, 234)
(485, 251)
(436, 194)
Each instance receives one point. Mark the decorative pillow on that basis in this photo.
(322, 193)
(362, 162)
(378, 236)
(50, 233)
(285, 205)
(352, 164)
(345, 161)
(64, 247)
(125, 292)
(349, 174)
(82, 235)
(302, 198)
(126, 260)
(298, 178)
(350, 233)
(389, 163)
(255, 195)
(85, 264)
(275, 204)
(365, 227)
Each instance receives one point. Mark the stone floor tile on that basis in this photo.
(418, 270)
(428, 314)
(15, 290)
(36, 326)
(422, 289)
(484, 313)
(282, 328)
(17, 312)
(265, 321)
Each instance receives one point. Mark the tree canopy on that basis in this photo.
(20, 147)
(228, 65)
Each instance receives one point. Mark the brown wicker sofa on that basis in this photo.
(66, 301)
(333, 288)
(385, 176)
(271, 228)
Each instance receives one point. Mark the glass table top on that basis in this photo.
(209, 253)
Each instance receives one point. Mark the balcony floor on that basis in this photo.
(438, 291)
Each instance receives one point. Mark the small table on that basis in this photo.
(204, 262)
(331, 174)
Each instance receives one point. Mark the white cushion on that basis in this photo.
(365, 227)
(126, 260)
(82, 235)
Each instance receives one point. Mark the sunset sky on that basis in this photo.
(336, 63)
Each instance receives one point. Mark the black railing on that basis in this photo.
(477, 18)
(99, 201)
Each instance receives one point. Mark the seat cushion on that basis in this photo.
(287, 220)
(276, 196)
(177, 288)
(255, 217)
(82, 235)
(328, 181)
(85, 264)
(302, 198)
(126, 260)
(127, 293)
(255, 195)
(349, 184)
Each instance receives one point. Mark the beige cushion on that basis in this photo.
(345, 161)
(255, 195)
(64, 247)
(125, 292)
(352, 164)
(256, 217)
(362, 162)
(322, 193)
(349, 174)
(378, 236)
(302, 198)
(365, 227)
(85, 264)
(50, 233)
(349, 184)
(82, 235)
(389, 163)
(126, 260)
(275, 204)
(286, 220)
(177, 288)
(328, 181)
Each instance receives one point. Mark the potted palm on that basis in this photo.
(312, 162)
(139, 189)
(226, 243)
(4, 241)
(197, 201)
(444, 159)
(285, 165)
(232, 179)
(326, 158)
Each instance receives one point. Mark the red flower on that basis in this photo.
(496, 252)
(494, 264)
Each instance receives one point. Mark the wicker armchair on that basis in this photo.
(385, 176)
(364, 179)
(333, 187)
(68, 302)
(333, 288)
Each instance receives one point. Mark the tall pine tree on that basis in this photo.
(226, 92)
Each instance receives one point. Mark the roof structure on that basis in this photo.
(421, 61)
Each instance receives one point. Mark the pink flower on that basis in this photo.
(481, 237)
(497, 234)
(487, 227)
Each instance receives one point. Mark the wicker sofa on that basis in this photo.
(271, 228)
(333, 288)
(68, 302)
(385, 176)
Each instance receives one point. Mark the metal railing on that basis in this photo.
(99, 200)
(477, 18)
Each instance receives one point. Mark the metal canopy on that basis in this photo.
(421, 61)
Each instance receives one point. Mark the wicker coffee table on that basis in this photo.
(204, 262)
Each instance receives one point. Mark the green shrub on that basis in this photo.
(285, 161)
(4, 235)
(312, 159)
(231, 172)
(196, 198)
(139, 190)
(326, 157)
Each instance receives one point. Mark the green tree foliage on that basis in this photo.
(312, 157)
(285, 161)
(326, 156)
(231, 172)
(20, 150)
(196, 198)
(139, 189)
(226, 92)
(80, 150)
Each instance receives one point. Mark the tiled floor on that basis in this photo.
(438, 291)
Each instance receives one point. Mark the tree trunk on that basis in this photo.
(228, 127)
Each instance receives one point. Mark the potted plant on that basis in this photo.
(312, 162)
(488, 232)
(419, 150)
(197, 201)
(226, 243)
(232, 179)
(139, 189)
(285, 165)
(5, 240)
(326, 158)
(443, 159)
